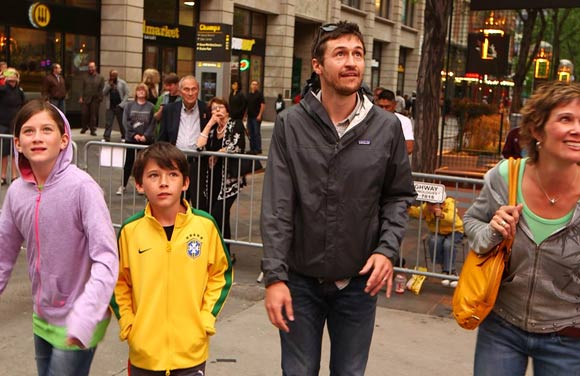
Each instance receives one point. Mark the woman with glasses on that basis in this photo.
(223, 134)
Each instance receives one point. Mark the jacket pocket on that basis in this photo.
(51, 294)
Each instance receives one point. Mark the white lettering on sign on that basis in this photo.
(430, 192)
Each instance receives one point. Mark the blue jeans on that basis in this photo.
(51, 361)
(254, 134)
(350, 316)
(503, 350)
(446, 251)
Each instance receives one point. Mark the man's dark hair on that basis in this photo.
(171, 78)
(167, 156)
(387, 94)
(334, 31)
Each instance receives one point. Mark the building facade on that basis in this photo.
(264, 40)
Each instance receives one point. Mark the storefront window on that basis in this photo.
(32, 53)
(5, 43)
(242, 22)
(188, 13)
(161, 11)
(185, 58)
(79, 51)
(258, 25)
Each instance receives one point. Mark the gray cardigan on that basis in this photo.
(540, 292)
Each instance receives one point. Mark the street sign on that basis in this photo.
(430, 192)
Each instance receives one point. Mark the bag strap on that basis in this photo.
(513, 174)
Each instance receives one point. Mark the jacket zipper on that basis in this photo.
(37, 264)
(532, 285)
(167, 310)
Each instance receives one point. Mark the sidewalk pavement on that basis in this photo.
(404, 344)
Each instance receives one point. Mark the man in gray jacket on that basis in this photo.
(334, 212)
(116, 94)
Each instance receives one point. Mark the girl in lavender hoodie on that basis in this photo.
(59, 212)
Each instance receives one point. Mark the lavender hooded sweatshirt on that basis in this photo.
(70, 243)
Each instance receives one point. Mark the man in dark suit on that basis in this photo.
(181, 125)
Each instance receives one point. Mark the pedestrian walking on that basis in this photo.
(332, 217)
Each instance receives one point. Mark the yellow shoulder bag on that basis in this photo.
(481, 275)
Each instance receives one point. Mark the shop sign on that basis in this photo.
(214, 42)
(244, 64)
(243, 44)
(152, 32)
(39, 15)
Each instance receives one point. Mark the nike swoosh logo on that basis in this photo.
(144, 250)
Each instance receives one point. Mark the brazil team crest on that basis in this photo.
(194, 248)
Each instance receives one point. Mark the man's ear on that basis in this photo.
(316, 66)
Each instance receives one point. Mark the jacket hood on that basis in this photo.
(63, 160)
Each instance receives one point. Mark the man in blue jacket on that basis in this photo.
(334, 211)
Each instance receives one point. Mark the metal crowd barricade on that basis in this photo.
(10, 174)
(104, 162)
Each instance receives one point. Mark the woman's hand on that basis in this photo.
(506, 219)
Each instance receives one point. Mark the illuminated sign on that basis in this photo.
(160, 31)
(244, 64)
(39, 15)
(243, 44)
(214, 42)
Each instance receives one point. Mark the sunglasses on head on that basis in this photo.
(326, 28)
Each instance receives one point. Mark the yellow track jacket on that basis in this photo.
(169, 293)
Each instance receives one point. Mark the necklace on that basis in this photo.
(551, 200)
(222, 130)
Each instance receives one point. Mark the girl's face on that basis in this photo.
(40, 140)
(141, 93)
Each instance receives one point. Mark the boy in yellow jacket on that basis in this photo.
(443, 240)
(174, 272)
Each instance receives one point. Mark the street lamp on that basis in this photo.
(565, 70)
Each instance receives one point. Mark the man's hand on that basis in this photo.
(382, 273)
(278, 304)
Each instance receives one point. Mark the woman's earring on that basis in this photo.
(538, 145)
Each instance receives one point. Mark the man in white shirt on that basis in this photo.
(387, 102)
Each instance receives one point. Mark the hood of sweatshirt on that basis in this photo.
(63, 160)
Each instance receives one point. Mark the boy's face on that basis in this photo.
(40, 140)
(162, 187)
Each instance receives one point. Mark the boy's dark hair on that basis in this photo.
(171, 78)
(387, 94)
(334, 31)
(34, 107)
(167, 156)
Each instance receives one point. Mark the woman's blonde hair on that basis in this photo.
(152, 78)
